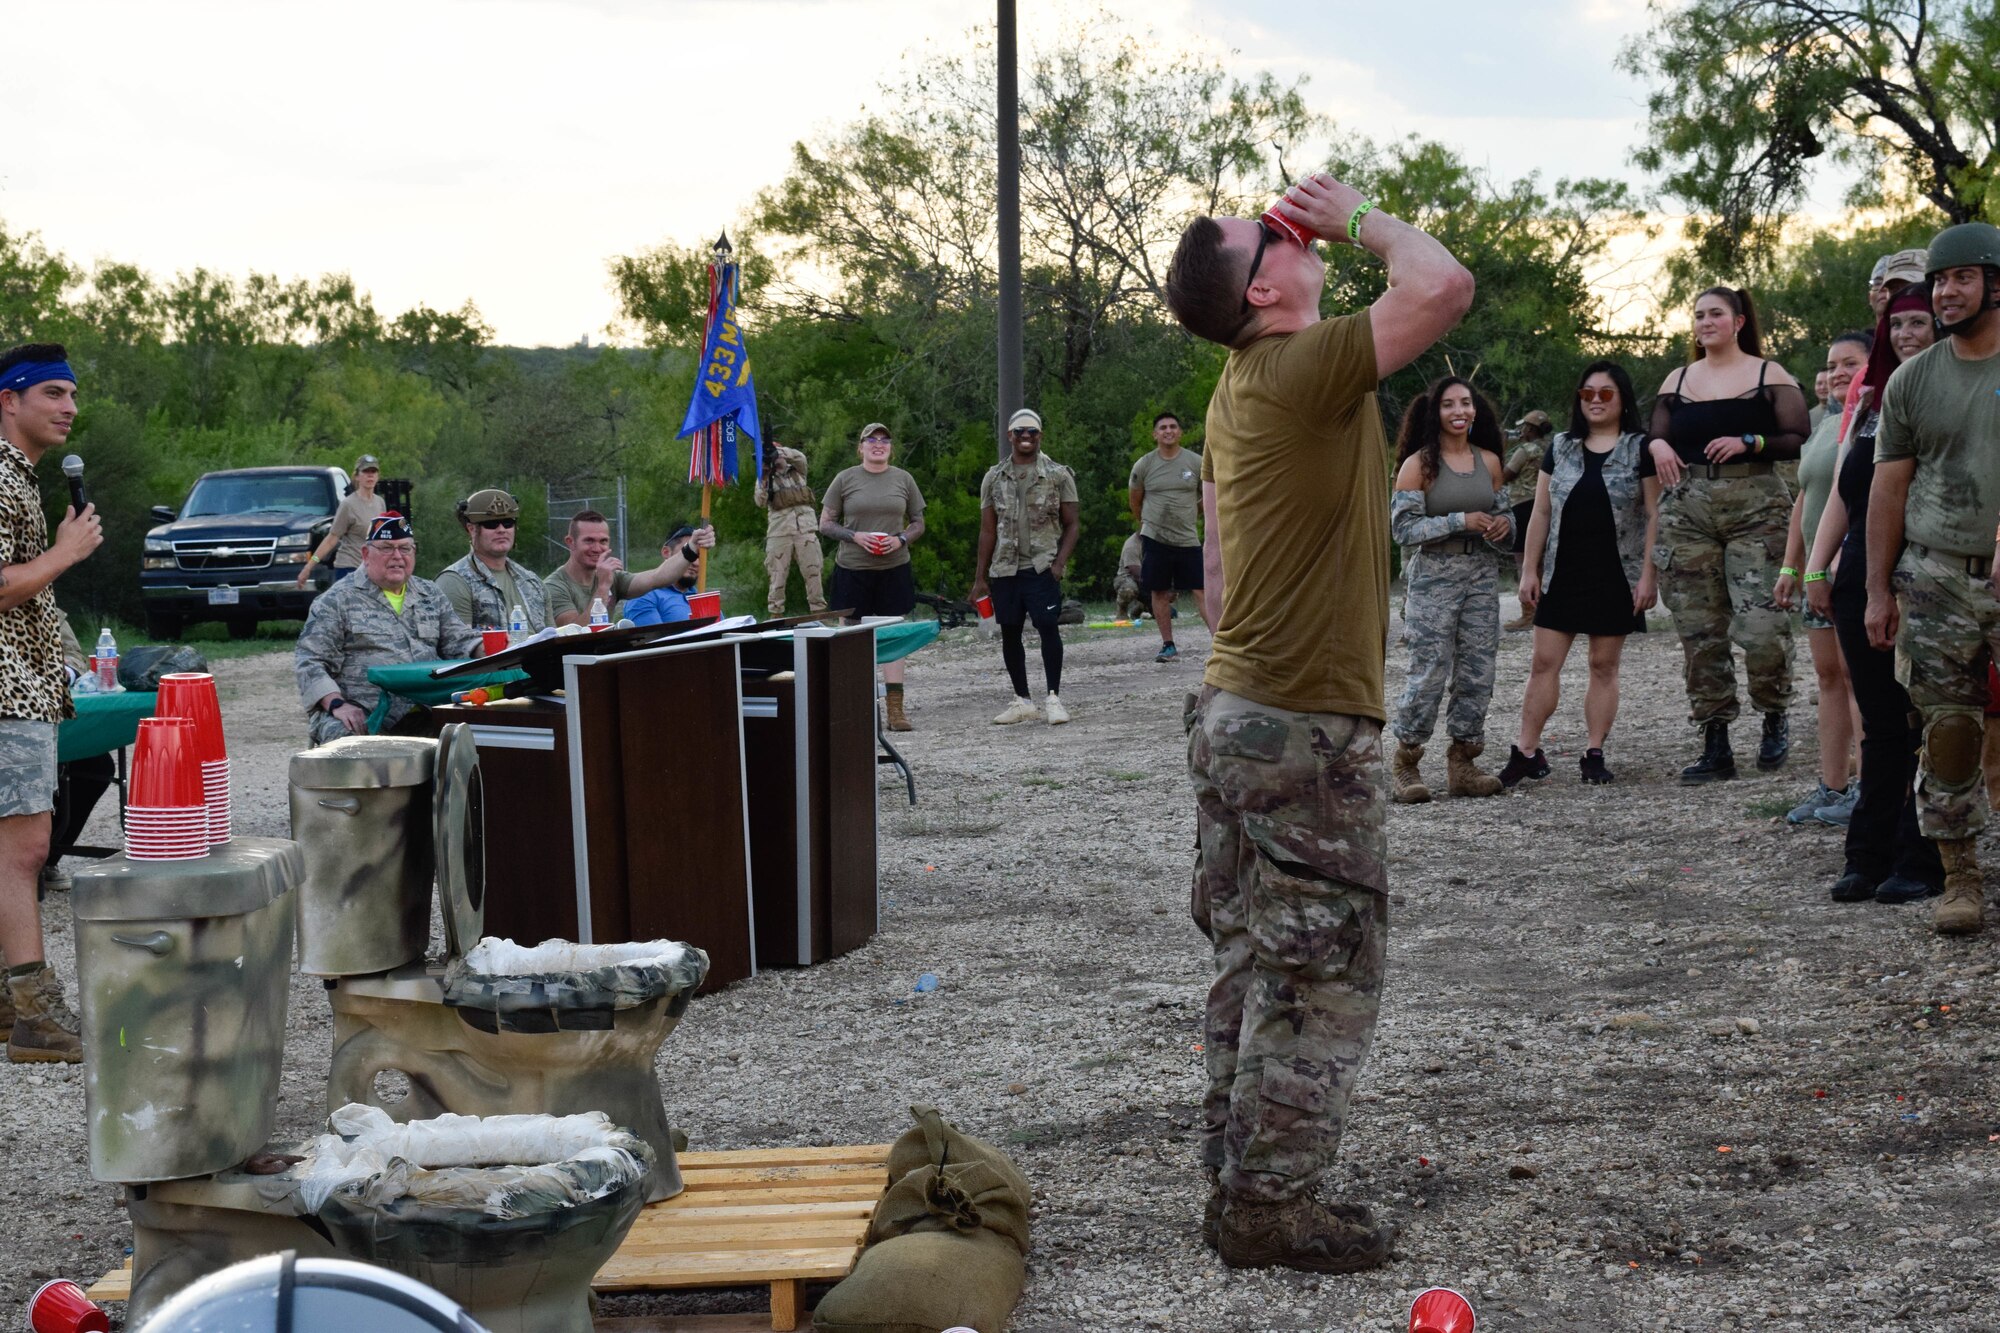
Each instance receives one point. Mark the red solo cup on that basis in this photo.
(493, 641)
(984, 606)
(704, 604)
(191, 694)
(61, 1307)
(165, 770)
(1288, 227)
(1442, 1310)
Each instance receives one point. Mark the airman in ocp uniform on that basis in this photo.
(791, 532)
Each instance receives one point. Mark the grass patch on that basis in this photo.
(1039, 781)
(1771, 807)
(1033, 1134)
(963, 824)
(1128, 775)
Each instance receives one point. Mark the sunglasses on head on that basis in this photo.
(491, 523)
(1597, 395)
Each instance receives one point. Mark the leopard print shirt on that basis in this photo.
(33, 686)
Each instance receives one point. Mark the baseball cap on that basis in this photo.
(489, 503)
(366, 461)
(872, 428)
(1537, 418)
(390, 526)
(1025, 419)
(1905, 266)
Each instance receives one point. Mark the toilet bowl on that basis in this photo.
(492, 1028)
(182, 972)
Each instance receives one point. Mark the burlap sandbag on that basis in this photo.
(947, 1243)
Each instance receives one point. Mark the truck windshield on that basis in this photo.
(264, 492)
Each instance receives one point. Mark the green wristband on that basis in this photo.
(1815, 575)
(1787, 569)
(1354, 222)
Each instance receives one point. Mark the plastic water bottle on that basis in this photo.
(517, 624)
(105, 660)
(600, 618)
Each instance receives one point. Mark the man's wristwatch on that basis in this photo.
(691, 553)
(337, 704)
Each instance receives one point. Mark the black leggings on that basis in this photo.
(1882, 836)
(1015, 655)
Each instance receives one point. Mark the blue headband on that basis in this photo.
(30, 373)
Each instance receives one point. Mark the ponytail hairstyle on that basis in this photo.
(1738, 301)
(1421, 434)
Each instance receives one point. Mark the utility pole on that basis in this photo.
(1008, 106)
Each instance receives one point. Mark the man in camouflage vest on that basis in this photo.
(792, 530)
(379, 617)
(486, 583)
(1027, 529)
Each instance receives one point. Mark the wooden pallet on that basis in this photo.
(777, 1217)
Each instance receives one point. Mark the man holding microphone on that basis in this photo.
(37, 410)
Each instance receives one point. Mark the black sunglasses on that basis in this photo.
(1034, 433)
(491, 523)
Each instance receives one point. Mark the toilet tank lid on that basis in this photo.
(241, 876)
(365, 762)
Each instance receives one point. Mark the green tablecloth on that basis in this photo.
(895, 642)
(412, 681)
(103, 723)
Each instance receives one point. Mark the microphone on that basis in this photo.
(72, 467)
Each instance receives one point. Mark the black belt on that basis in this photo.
(1977, 566)
(1454, 546)
(1718, 471)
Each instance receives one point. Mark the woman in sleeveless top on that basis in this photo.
(1590, 563)
(1450, 506)
(1718, 426)
(1887, 858)
(1832, 799)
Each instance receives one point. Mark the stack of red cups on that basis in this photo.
(167, 819)
(191, 694)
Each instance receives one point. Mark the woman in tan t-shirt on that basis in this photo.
(874, 510)
(358, 509)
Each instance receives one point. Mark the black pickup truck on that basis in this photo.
(233, 551)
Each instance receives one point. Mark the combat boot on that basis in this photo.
(1776, 746)
(6, 998)
(1211, 1212)
(1717, 760)
(1464, 777)
(44, 1031)
(892, 705)
(1409, 783)
(1300, 1233)
(1962, 910)
(1526, 620)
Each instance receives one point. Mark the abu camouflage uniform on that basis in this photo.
(1027, 514)
(1721, 543)
(792, 530)
(1451, 620)
(352, 627)
(1291, 886)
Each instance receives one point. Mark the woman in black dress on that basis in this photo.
(1589, 566)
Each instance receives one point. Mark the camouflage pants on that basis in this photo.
(1950, 625)
(27, 767)
(1451, 625)
(1721, 543)
(1290, 884)
(790, 538)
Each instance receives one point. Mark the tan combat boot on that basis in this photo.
(892, 704)
(1462, 776)
(1407, 781)
(45, 1031)
(1962, 910)
(1526, 620)
(1300, 1233)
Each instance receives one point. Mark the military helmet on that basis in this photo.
(487, 504)
(1967, 245)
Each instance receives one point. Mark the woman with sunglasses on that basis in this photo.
(1589, 566)
(1887, 858)
(1719, 425)
(1832, 799)
(1449, 504)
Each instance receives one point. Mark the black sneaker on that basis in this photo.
(1903, 889)
(1776, 747)
(1594, 771)
(1521, 766)
(1853, 887)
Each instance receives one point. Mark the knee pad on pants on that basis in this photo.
(1952, 747)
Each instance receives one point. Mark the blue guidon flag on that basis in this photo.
(724, 405)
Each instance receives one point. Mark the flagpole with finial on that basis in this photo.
(713, 435)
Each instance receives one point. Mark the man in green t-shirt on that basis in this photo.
(1165, 494)
(592, 572)
(1285, 743)
(1932, 549)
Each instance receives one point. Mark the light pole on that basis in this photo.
(1009, 110)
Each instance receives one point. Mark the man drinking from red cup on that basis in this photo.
(874, 510)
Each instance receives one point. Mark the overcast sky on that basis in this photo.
(503, 150)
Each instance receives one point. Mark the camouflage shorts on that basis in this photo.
(27, 767)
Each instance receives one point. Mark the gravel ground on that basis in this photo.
(1634, 1070)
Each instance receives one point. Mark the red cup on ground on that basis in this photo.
(704, 604)
(1441, 1310)
(191, 694)
(165, 769)
(61, 1307)
(984, 606)
(493, 640)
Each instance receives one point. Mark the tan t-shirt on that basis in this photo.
(1945, 413)
(1300, 464)
(873, 502)
(1171, 511)
(350, 525)
(567, 595)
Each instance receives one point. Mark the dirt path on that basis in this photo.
(1592, 994)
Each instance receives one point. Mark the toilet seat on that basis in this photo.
(458, 831)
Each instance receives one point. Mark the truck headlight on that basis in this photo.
(291, 557)
(159, 546)
(295, 541)
(158, 562)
